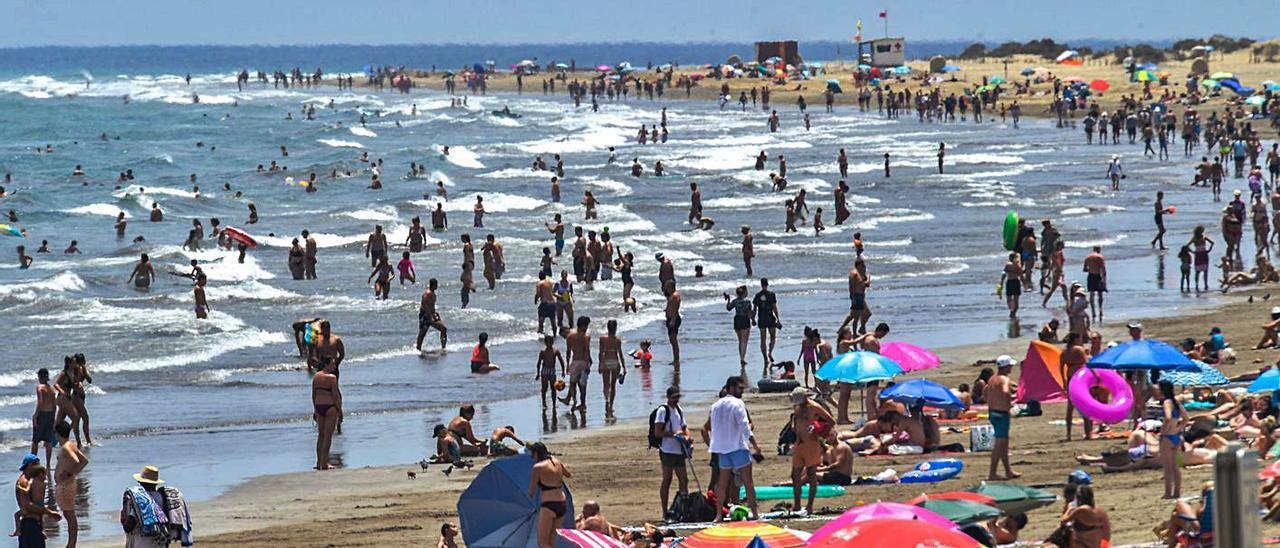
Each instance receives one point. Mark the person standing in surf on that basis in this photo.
(673, 319)
(612, 366)
(748, 248)
(429, 317)
(143, 273)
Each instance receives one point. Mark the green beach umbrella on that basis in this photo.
(961, 511)
(1210, 83)
(1012, 498)
(1144, 76)
(1222, 76)
(1255, 100)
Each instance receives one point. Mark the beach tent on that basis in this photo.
(496, 510)
(1069, 57)
(1041, 376)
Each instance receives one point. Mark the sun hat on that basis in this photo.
(798, 395)
(150, 474)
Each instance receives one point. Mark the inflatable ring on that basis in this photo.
(934, 471)
(767, 386)
(1121, 395)
(1009, 234)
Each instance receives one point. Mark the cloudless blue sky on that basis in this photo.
(242, 22)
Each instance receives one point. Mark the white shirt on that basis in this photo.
(675, 426)
(730, 427)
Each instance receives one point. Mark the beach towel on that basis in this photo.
(139, 504)
(176, 512)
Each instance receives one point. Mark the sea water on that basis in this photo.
(215, 402)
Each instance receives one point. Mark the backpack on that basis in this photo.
(787, 436)
(692, 507)
(655, 437)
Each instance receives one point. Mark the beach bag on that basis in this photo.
(981, 438)
(691, 508)
(787, 436)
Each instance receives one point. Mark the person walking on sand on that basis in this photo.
(326, 402)
(1072, 359)
(71, 461)
(141, 505)
(673, 447)
(811, 422)
(999, 397)
(728, 436)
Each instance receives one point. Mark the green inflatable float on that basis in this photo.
(1010, 230)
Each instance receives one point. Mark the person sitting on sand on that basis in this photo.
(1140, 453)
(460, 427)
(1090, 525)
(1187, 527)
(448, 449)
(837, 467)
(496, 446)
(592, 520)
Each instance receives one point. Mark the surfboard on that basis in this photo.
(240, 236)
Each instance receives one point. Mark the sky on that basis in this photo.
(280, 22)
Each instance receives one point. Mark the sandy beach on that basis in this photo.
(971, 73)
(381, 507)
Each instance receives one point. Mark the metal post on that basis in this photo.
(1236, 523)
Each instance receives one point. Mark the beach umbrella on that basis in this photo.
(739, 533)
(562, 66)
(1148, 66)
(1028, 71)
(1205, 375)
(1272, 471)
(955, 495)
(1066, 55)
(834, 86)
(589, 539)
(604, 68)
(894, 533)
(496, 509)
(1162, 74)
(1273, 87)
(902, 70)
(997, 80)
(1100, 85)
(12, 231)
(1266, 382)
(1012, 498)
(1268, 83)
(909, 356)
(1210, 83)
(1073, 79)
(922, 392)
(1144, 76)
(950, 68)
(858, 367)
(961, 511)
(863, 66)
(1255, 100)
(880, 511)
(1222, 76)
(664, 66)
(816, 64)
(1143, 354)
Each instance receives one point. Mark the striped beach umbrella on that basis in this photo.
(741, 533)
(589, 539)
(1205, 375)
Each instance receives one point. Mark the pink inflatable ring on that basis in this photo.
(1121, 395)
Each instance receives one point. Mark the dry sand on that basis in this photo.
(972, 72)
(382, 507)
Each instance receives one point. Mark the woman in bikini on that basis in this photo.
(612, 373)
(326, 398)
(548, 477)
(65, 387)
(1201, 245)
(1175, 418)
(80, 377)
(1089, 524)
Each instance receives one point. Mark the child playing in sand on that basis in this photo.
(405, 266)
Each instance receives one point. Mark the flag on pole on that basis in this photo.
(857, 36)
(884, 14)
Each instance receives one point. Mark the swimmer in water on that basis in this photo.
(818, 227)
(202, 305)
(73, 248)
(157, 214)
(384, 273)
(480, 363)
(143, 273)
(24, 260)
(589, 202)
(407, 271)
(440, 191)
(44, 247)
(636, 169)
(429, 318)
(468, 281)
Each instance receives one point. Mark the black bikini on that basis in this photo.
(558, 507)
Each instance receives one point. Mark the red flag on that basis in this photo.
(884, 15)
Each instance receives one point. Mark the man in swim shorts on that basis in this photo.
(44, 417)
(673, 319)
(999, 397)
(429, 317)
(545, 297)
(1096, 267)
(578, 352)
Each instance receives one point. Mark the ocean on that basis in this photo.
(214, 403)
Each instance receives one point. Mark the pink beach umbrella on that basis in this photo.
(604, 68)
(878, 511)
(909, 356)
(589, 539)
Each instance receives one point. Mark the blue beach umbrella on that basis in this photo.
(834, 86)
(950, 68)
(858, 367)
(1273, 87)
(496, 509)
(1143, 354)
(1028, 71)
(902, 70)
(1266, 382)
(1205, 376)
(922, 391)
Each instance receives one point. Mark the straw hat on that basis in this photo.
(150, 474)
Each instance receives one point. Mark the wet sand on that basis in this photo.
(381, 506)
